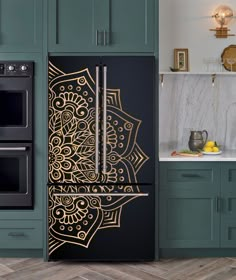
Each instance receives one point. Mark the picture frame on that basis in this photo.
(181, 61)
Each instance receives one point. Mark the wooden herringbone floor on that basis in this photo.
(171, 269)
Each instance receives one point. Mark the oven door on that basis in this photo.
(16, 175)
(15, 108)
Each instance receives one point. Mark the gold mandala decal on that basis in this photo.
(76, 213)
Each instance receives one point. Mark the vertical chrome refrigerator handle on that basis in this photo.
(97, 121)
(104, 119)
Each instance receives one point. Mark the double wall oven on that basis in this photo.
(16, 134)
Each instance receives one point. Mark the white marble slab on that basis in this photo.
(190, 102)
(229, 155)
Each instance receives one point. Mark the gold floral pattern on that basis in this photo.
(76, 213)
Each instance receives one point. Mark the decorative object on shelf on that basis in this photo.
(223, 15)
(162, 79)
(181, 59)
(196, 141)
(213, 77)
(174, 69)
(228, 58)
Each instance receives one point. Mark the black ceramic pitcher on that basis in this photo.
(196, 141)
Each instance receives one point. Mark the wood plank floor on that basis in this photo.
(168, 269)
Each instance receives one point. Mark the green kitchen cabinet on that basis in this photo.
(189, 200)
(20, 25)
(197, 205)
(23, 234)
(228, 205)
(101, 25)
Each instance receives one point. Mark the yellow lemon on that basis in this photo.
(210, 144)
(215, 149)
(207, 149)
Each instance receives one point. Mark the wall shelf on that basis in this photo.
(197, 73)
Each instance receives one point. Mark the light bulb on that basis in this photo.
(223, 15)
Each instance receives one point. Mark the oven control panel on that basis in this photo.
(16, 68)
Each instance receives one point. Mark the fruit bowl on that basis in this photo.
(211, 148)
(212, 153)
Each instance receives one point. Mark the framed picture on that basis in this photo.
(181, 59)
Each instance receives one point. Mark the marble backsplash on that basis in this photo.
(190, 102)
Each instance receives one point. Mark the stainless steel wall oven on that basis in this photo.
(16, 134)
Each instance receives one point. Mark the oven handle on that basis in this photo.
(13, 148)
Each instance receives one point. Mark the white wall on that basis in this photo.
(190, 102)
(186, 24)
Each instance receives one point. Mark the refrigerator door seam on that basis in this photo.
(104, 119)
(97, 122)
(101, 194)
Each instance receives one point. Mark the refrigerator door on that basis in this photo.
(128, 120)
(74, 125)
(100, 223)
(101, 113)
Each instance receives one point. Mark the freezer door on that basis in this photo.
(128, 119)
(73, 122)
(101, 222)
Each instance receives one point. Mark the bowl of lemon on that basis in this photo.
(211, 148)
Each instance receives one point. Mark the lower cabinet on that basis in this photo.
(197, 205)
(21, 234)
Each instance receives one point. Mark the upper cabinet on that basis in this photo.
(20, 25)
(101, 25)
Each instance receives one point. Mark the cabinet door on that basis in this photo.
(228, 211)
(77, 25)
(188, 220)
(189, 205)
(101, 26)
(132, 26)
(21, 25)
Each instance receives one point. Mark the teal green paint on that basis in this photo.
(45, 125)
(21, 234)
(189, 217)
(196, 253)
(197, 211)
(21, 253)
(128, 26)
(228, 211)
(21, 26)
(156, 106)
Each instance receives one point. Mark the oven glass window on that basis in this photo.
(12, 174)
(12, 108)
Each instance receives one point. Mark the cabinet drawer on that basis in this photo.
(196, 175)
(228, 178)
(20, 234)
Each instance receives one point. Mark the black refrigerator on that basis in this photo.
(101, 166)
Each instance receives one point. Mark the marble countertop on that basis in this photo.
(228, 155)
